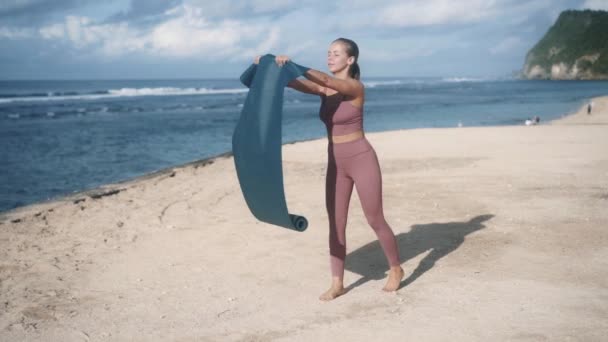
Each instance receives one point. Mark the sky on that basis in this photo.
(153, 39)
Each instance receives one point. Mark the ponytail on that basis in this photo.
(355, 71)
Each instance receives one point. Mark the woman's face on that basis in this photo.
(337, 58)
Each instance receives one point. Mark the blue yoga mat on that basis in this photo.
(256, 142)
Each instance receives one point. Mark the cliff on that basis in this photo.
(575, 47)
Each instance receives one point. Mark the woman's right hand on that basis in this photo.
(282, 59)
(256, 60)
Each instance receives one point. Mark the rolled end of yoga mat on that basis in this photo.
(299, 222)
(256, 142)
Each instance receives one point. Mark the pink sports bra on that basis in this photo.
(340, 117)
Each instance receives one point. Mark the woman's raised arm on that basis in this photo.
(322, 80)
(349, 86)
(306, 86)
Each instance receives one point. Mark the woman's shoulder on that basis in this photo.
(359, 82)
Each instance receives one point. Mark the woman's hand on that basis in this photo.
(256, 60)
(281, 60)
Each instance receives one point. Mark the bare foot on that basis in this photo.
(333, 292)
(394, 279)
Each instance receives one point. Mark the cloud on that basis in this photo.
(141, 12)
(192, 34)
(82, 32)
(596, 4)
(269, 6)
(55, 31)
(437, 13)
(377, 55)
(508, 44)
(28, 12)
(190, 30)
(186, 34)
(251, 8)
(434, 12)
(15, 33)
(20, 7)
(398, 49)
(205, 35)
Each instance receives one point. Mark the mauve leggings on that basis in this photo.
(355, 163)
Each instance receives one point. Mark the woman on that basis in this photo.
(351, 159)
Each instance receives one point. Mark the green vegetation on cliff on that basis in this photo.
(575, 47)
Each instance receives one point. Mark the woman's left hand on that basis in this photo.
(281, 60)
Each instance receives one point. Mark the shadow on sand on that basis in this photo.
(441, 238)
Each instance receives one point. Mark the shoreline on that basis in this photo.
(115, 187)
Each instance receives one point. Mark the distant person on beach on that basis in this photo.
(534, 121)
(589, 107)
(351, 159)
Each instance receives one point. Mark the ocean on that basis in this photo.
(60, 137)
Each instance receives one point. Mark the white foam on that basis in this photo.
(130, 92)
(462, 79)
(373, 84)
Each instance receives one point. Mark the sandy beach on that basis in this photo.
(502, 231)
